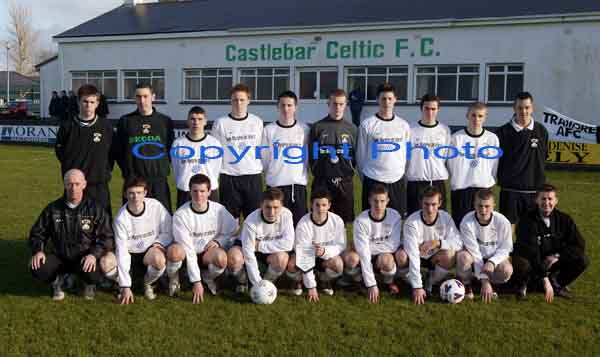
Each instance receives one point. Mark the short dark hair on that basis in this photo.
(431, 191)
(319, 193)
(272, 194)
(199, 179)
(241, 87)
(485, 194)
(142, 85)
(385, 88)
(378, 189)
(288, 94)
(429, 98)
(338, 92)
(523, 96)
(548, 187)
(88, 90)
(134, 181)
(196, 110)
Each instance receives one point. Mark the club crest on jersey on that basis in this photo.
(534, 142)
(345, 138)
(474, 163)
(146, 128)
(86, 224)
(97, 137)
(196, 168)
(140, 244)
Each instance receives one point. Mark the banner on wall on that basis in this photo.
(562, 128)
(45, 134)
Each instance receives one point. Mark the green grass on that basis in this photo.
(345, 324)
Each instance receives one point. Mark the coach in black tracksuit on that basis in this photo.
(84, 142)
(335, 173)
(524, 144)
(154, 133)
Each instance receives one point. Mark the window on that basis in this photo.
(266, 83)
(208, 84)
(105, 81)
(504, 82)
(371, 77)
(450, 82)
(317, 83)
(156, 78)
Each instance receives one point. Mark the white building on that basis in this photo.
(193, 51)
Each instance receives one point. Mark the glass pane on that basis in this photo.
(94, 74)
(328, 82)
(209, 72)
(191, 73)
(281, 84)
(265, 71)
(282, 71)
(496, 87)
(110, 88)
(224, 72)
(516, 68)
(192, 88)
(308, 85)
(468, 88)
(496, 68)
(76, 83)
(469, 69)
(425, 85)
(209, 88)
(376, 70)
(112, 74)
(130, 74)
(159, 88)
(248, 72)
(251, 83)
(398, 70)
(96, 82)
(426, 70)
(264, 88)
(147, 74)
(158, 73)
(225, 84)
(514, 86)
(129, 88)
(79, 74)
(446, 89)
(447, 69)
(357, 70)
(353, 82)
(372, 83)
(401, 85)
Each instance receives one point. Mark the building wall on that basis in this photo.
(561, 64)
(49, 81)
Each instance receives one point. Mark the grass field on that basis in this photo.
(345, 324)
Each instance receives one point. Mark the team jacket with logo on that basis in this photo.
(388, 167)
(184, 168)
(521, 166)
(194, 229)
(278, 172)
(135, 128)
(492, 241)
(416, 231)
(85, 146)
(327, 133)
(330, 235)
(434, 167)
(241, 136)
(373, 237)
(272, 237)
(475, 171)
(137, 233)
(72, 232)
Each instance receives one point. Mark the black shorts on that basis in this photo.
(513, 204)
(295, 200)
(342, 194)
(241, 195)
(414, 192)
(158, 188)
(184, 196)
(396, 192)
(462, 203)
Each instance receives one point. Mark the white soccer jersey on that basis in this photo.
(278, 138)
(492, 241)
(193, 230)
(473, 171)
(331, 235)
(184, 168)
(416, 231)
(433, 168)
(272, 237)
(373, 237)
(240, 139)
(388, 167)
(136, 233)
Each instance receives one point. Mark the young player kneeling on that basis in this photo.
(376, 242)
(320, 241)
(267, 237)
(487, 238)
(430, 239)
(142, 230)
(202, 231)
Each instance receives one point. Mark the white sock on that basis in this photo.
(212, 273)
(240, 275)
(465, 275)
(438, 275)
(354, 273)
(388, 276)
(295, 275)
(112, 274)
(153, 274)
(272, 274)
(173, 268)
(402, 273)
(329, 275)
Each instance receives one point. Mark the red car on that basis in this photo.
(14, 109)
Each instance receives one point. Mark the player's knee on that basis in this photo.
(505, 271)
(175, 253)
(220, 259)
(445, 259)
(401, 258)
(108, 262)
(155, 258)
(279, 261)
(291, 266)
(235, 259)
(385, 262)
(351, 260)
(464, 260)
(336, 264)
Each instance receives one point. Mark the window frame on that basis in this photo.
(505, 73)
(387, 76)
(75, 76)
(125, 77)
(456, 74)
(273, 75)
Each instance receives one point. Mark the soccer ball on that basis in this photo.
(263, 293)
(452, 291)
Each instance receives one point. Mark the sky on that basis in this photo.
(51, 17)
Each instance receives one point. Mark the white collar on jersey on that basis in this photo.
(518, 127)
